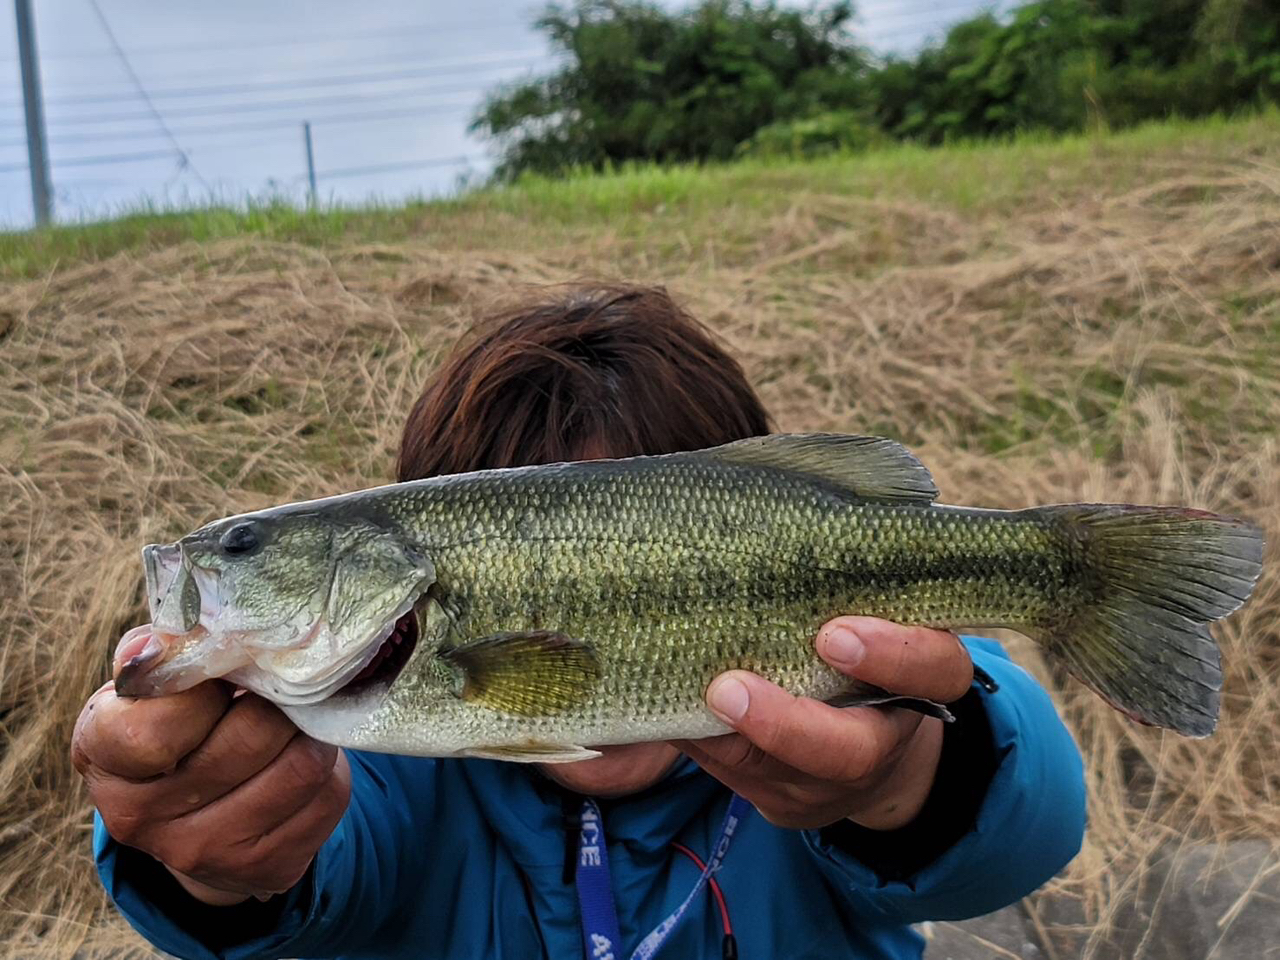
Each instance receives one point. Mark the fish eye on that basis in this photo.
(240, 540)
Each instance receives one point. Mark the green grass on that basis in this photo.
(981, 178)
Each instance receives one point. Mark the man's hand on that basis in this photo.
(805, 764)
(224, 791)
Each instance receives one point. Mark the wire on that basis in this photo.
(63, 183)
(366, 116)
(715, 887)
(386, 167)
(927, 10)
(301, 71)
(924, 33)
(931, 30)
(265, 106)
(124, 60)
(934, 22)
(96, 161)
(237, 45)
(505, 61)
(526, 58)
(432, 29)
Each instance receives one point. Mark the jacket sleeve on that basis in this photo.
(343, 900)
(1029, 822)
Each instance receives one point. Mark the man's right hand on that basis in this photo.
(224, 791)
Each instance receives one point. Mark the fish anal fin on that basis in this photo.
(532, 673)
(533, 752)
(873, 468)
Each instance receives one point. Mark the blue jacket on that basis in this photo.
(465, 859)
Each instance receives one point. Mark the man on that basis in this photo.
(225, 832)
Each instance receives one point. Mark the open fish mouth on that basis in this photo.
(185, 645)
(389, 659)
(376, 664)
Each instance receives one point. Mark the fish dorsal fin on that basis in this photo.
(874, 468)
(532, 673)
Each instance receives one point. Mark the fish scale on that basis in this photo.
(740, 572)
(563, 606)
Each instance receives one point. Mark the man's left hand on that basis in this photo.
(805, 764)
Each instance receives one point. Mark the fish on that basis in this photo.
(537, 613)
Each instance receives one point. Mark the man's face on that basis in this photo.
(619, 770)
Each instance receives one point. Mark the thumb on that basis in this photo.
(912, 661)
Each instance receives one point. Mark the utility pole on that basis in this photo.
(311, 164)
(37, 150)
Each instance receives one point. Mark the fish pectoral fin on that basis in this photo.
(875, 697)
(533, 753)
(874, 468)
(534, 673)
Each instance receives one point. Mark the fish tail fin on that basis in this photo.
(1157, 577)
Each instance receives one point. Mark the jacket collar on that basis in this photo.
(531, 814)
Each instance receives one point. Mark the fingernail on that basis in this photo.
(132, 643)
(728, 699)
(845, 647)
(135, 657)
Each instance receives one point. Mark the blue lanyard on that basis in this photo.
(595, 893)
(600, 934)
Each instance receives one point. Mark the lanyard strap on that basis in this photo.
(600, 934)
(650, 945)
(595, 892)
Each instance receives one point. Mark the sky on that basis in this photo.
(388, 86)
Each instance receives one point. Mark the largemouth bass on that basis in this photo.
(536, 612)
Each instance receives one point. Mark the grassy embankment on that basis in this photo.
(1088, 319)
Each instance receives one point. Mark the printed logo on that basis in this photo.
(590, 839)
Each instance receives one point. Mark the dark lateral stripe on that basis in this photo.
(786, 582)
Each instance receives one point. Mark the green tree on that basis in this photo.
(639, 82)
(737, 76)
(1057, 64)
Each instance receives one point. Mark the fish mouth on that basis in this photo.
(388, 661)
(138, 652)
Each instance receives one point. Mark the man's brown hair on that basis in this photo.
(614, 371)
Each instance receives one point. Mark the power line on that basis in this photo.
(465, 65)
(114, 158)
(387, 167)
(927, 9)
(303, 70)
(237, 45)
(496, 62)
(911, 31)
(997, 7)
(942, 21)
(97, 161)
(903, 20)
(366, 116)
(502, 60)
(66, 186)
(932, 28)
(411, 30)
(430, 108)
(124, 60)
(236, 109)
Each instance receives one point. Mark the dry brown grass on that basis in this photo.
(1123, 347)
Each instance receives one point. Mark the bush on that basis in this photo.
(836, 131)
(640, 83)
(734, 77)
